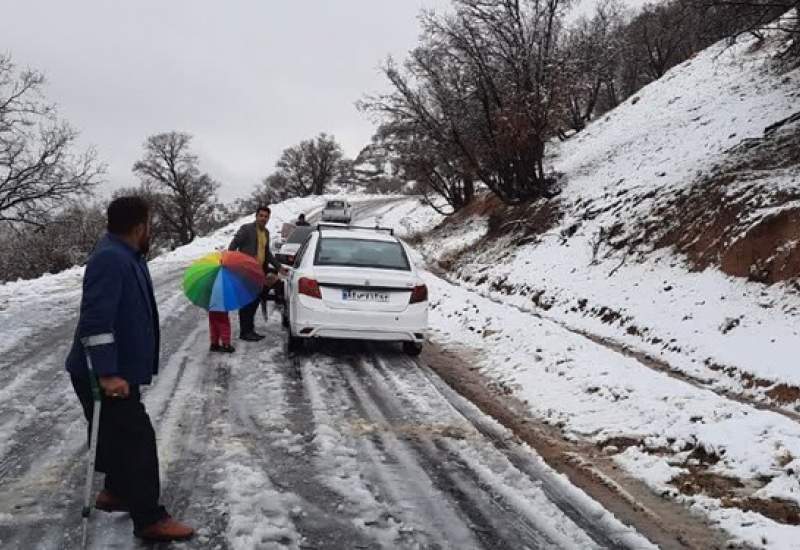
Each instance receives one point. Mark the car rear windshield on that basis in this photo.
(299, 234)
(335, 204)
(361, 253)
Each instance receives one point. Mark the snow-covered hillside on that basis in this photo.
(589, 272)
(669, 354)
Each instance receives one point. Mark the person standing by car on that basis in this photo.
(118, 328)
(253, 239)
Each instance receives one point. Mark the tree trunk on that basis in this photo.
(469, 190)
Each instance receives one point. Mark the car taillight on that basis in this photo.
(419, 294)
(309, 287)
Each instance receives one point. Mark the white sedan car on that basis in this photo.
(355, 283)
(337, 211)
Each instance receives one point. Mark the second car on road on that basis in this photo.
(355, 283)
(338, 210)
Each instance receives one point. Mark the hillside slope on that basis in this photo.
(696, 175)
(674, 245)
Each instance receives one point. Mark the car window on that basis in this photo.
(361, 253)
(299, 234)
(335, 204)
(300, 253)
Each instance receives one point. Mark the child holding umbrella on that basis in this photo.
(220, 282)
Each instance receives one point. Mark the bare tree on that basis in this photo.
(28, 251)
(593, 48)
(665, 34)
(38, 167)
(184, 197)
(274, 188)
(311, 165)
(437, 169)
(733, 18)
(485, 80)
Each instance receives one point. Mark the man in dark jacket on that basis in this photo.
(118, 327)
(301, 220)
(253, 240)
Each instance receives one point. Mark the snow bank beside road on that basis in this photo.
(596, 394)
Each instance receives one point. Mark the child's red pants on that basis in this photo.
(219, 326)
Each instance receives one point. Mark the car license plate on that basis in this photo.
(364, 296)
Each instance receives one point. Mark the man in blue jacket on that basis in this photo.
(118, 327)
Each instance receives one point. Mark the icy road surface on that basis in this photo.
(347, 446)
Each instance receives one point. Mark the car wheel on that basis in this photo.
(295, 344)
(412, 348)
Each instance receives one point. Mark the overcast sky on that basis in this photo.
(246, 77)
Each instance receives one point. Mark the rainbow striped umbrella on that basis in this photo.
(223, 281)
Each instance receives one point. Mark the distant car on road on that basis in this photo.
(337, 211)
(355, 283)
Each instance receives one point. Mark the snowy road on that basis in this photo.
(347, 446)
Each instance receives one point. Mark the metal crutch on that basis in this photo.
(87, 495)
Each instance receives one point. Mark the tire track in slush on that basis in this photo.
(358, 476)
(477, 511)
(189, 492)
(401, 480)
(399, 382)
(322, 523)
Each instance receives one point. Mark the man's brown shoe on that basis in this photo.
(107, 502)
(166, 529)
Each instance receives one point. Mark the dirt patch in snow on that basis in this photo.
(525, 221)
(699, 481)
(506, 227)
(361, 427)
(778, 510)
(783, 393)
(483, 206)
(743, 217)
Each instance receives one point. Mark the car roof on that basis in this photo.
(362, 234)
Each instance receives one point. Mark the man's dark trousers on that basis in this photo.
(247, 316)
(126, 452)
